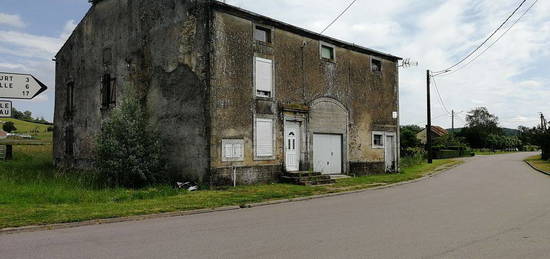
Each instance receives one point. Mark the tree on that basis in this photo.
(408, 136)
(17, 114)
(480, 124)
(128, 149)
(27, 115)
(9, 127)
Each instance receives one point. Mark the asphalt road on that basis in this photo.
(490, 207)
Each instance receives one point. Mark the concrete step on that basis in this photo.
(303, 179)
(301, 174)
(2, 152)
(306, 178)
(339, 176)
(320, 182)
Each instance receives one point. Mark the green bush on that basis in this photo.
(9, 127)
(128, 150)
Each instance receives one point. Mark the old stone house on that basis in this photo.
(234, 92)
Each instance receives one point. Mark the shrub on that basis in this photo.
(128, 150)
(9, 126)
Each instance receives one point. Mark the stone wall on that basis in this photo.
(155, 48)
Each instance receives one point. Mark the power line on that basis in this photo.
(340, 15)
(483, 43)
(492, 44)
(440, 98)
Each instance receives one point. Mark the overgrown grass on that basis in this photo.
(34, 192)
(540, 164)
(37, 130)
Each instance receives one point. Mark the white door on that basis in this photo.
(327, 153)
(292, 146)
(390, 153)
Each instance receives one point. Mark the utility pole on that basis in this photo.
(429, 126)
(453, 121)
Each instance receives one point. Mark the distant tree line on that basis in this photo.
(27, 116)
(482, 131)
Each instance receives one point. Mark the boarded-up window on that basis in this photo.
(232, 150)
(264, 137)
(108, 91)
(70, 98)
(69, 141)
(264, 77)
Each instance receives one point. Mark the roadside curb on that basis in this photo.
(58, 226)
(536, 169)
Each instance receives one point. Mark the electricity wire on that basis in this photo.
(338, 17)
(492, 44)
(483, 43)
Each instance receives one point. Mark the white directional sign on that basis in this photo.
(5, 109)
(20, 86)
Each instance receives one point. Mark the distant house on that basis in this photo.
(437, 132)
(3, 134)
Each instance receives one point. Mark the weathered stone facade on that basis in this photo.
(193, 63)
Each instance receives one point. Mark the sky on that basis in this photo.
(511, 78)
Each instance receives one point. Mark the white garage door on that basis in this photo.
(327, 153)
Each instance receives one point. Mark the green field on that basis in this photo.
(38, 131)
(540, 164)
(34, 192)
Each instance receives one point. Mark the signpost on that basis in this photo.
(5, 109)
(20, 86)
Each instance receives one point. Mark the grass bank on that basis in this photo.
(34, 192)
(540, 164)
(490, 153)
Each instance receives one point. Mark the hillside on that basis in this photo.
(37, 130)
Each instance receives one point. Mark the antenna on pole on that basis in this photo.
(406, 63)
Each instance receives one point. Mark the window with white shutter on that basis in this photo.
(264, 77)
(232, 150)
(264, 138)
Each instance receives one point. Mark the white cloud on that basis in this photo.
(68, 29)
(11, 20)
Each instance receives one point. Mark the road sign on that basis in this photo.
(5, 109)
(20, 86)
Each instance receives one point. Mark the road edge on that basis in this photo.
(59, 226)
(536, 169)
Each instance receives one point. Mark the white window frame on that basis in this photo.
(324, 44)
(237, 150)
(261, 156)
(272, 92)
(383, 135)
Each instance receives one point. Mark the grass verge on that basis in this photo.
(35, 193)
(540, 164)
(490, 153)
